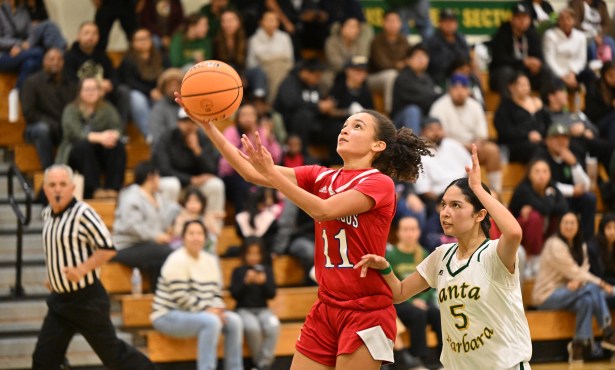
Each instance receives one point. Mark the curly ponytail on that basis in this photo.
(401, 159)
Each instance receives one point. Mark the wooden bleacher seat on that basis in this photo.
(512, 174)
(105, 209)
(289, 304)
(228, 238)
(12, 133)
(492, 100)
(38, 177)
(287, 272)
(162, 348)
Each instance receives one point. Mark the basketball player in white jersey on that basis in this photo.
(476, 279)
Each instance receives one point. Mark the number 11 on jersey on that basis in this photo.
(343, 248)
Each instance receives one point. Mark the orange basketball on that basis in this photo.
(211, 90)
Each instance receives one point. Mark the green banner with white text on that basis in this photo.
(476, 17)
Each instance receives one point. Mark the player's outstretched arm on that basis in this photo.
(347, 203)
(232, 153)
(402, 290)
(508, 225)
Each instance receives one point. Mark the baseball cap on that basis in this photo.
(312, 65)
(448, 13)
(459, 79)
(181, 114)
(429, 120)
(520, 8)
(357, 61)
(558, 129)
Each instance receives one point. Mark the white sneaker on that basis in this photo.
(14, 105)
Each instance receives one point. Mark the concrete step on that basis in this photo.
(15, 353)
(33, 280)
(32, 245)
(8, 218)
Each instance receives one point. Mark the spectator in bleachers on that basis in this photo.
(188, 302)
(537, 204)
(584, 135)
(408, 203)
(163, 116)
(348, 39)
(418, 12)
(592, 17)
(161, 18)
(108, 11)
(601, 250)
(421, 310)
(37, 10)
(185, 156)
(91, 145)
(267, 113)
(387, 57)
(299, 100)
(520, 120)
(516, 47)
(142, 223)
(465, 67)
(139, 70)
(213, 11)
(448, 163)
(463, 119)
(271, 49)
(231, 46)
(191, 43)
(306, 21)
(84, 60)
(350, 95)
(414, 91)
(23, 42)
(600, 102)
(252, 285)
(570, 177)
(193, 204)
(293, 155)
(260, 215)
(445, 46)
(565, 52)
(43, 98)
(247, 123)
(564, 282)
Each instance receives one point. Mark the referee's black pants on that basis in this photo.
(86, 312)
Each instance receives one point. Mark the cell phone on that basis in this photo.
(259, 268)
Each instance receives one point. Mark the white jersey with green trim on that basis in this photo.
(483, 321)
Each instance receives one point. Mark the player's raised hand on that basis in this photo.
(258, 156)
(371, 261)
(474, 174)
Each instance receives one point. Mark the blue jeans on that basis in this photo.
(24, 63)
(410, 116)
(262, 329)
(140, 107)
(41, 136)
(587, 301)
(207, 327)
(419, 12)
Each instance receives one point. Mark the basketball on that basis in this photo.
(211, 90)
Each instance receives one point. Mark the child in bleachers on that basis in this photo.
(193, 208)
(260, 218)
(252, 284)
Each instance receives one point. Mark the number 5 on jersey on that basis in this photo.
(343, 248)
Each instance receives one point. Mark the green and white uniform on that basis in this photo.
(483, 321)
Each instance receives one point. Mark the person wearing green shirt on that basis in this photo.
(191, 44)
(421, 310)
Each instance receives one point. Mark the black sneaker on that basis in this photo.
(575, 352)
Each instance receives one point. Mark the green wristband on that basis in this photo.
(386, 270)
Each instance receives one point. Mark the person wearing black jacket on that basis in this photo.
(252, 284)
(600, 102)
(413, 91)
(516, 46)
(84, 60)
(185, 156)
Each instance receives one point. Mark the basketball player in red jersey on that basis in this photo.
(352, 325)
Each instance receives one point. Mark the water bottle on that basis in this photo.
(136, 282)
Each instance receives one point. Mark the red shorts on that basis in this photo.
(330, 331)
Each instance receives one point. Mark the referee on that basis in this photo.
(76, 243)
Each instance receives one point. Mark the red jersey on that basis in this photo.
(341, 243)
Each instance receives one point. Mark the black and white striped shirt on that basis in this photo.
(70, 238)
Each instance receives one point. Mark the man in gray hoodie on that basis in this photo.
(142, 221)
